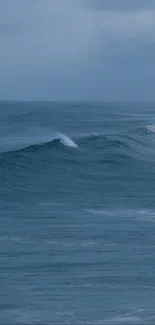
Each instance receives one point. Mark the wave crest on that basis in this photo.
(151, 128)
(66, 141)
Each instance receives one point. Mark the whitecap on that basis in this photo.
(124, 320)
(66, 141)
(95, 212)
(151, 128)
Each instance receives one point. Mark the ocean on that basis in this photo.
(77, 213)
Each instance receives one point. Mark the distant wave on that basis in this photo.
(143, 131)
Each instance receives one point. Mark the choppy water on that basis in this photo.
(77, 213)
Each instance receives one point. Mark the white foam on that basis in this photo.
(95, 212)
(151, 128)
(125, 320)
(66, 141)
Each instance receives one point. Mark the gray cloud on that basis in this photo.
(120, 4)
(64, 49)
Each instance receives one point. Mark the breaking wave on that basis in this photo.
(59, 139)
(135, 145)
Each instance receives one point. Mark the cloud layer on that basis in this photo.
(120, 4)
(74, 49)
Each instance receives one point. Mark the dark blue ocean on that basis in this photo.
(77, 213)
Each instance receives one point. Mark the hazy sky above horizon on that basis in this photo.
(77, 49)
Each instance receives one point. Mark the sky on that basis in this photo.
(77, 50)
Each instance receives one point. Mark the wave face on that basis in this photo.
(77, 213)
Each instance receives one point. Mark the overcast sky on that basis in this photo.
(77, 49)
